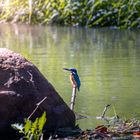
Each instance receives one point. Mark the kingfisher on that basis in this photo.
(74, 78)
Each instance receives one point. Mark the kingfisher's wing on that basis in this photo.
(77, 79)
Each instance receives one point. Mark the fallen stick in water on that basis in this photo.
(102, 117)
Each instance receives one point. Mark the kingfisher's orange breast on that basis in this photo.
(73, 82)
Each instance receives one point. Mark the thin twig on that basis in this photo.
(37, 106)
(50, 138)
(73, 99)
(104, 111)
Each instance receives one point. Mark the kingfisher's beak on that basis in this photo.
(66, 69)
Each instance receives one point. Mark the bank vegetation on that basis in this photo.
(89, 13)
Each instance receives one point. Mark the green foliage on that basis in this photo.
(32, 130)
(91, 13)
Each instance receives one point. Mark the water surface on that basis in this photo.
(108, 63)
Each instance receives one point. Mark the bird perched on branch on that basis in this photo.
(74, 78)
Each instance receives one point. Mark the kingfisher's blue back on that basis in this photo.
(77, 80)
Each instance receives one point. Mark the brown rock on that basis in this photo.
(22, 86)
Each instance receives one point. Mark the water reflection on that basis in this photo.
(108, 62)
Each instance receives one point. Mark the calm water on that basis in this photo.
(108, 62)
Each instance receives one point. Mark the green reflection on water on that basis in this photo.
(108, 62)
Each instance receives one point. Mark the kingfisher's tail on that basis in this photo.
(78, 88)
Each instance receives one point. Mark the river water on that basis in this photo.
(107, 60)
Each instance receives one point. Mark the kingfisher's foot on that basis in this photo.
(74, 86)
